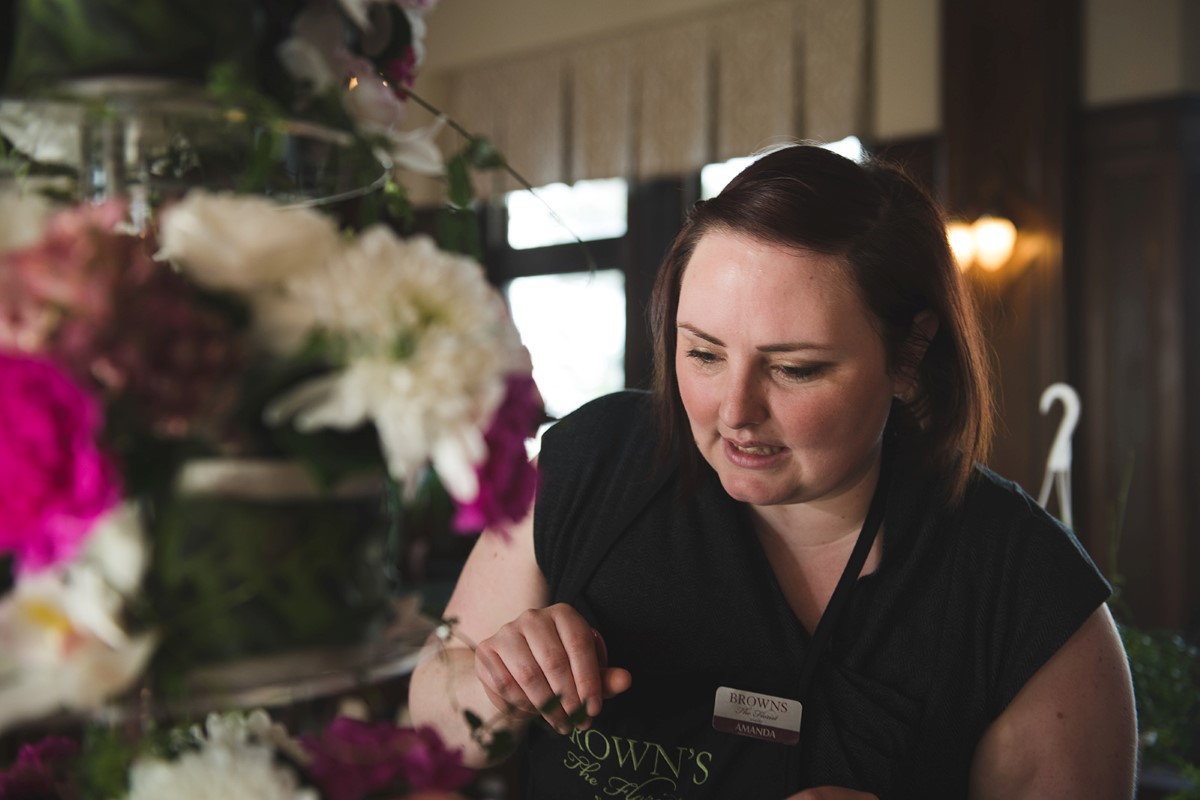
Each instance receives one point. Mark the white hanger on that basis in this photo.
(1058, 463)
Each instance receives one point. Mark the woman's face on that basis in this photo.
(783, 377)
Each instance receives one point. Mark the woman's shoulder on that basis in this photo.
(989, 494)
(613, 428)
(1014, 548)
(998, 508)
(605, 415)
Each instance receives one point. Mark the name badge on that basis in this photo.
(759, 716)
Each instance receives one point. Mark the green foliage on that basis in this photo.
(234, 578)
(62, 39)
(480, 153)
(457, 230)
(104, 761)
(1166, 679)
(1189, 773)
(1165, 667)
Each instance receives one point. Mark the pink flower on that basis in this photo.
(353, 759)
(66, 275)
(506, 479)
(40, 770)
(54, 481)
(402, 71)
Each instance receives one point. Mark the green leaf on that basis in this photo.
(553, 704)
(460, 192)
(480, 153)
(457, 230)
(501, 746)
(399, 207)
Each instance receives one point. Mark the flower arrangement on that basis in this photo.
(141, 331)
(243, 755)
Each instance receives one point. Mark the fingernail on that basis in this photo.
(601, 649)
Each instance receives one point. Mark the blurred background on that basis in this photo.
(1076, 120)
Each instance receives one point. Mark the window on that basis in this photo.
(590, 210)
(574, 326)
(714, 177)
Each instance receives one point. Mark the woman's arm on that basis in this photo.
(1071, 732)
(526, 654)
(499, 581)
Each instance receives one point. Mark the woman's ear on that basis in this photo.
(924, 327)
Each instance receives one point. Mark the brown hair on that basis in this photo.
(891, 238)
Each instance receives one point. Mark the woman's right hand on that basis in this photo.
(543, 654)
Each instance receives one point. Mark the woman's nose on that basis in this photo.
(742, 403)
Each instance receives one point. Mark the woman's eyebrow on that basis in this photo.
(692, 329)
(782, 347)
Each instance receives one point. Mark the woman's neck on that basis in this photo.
(809, 545)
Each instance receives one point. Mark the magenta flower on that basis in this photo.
(402, 71)
(54, 481)
(40, 771)
(352, 759)
(506, 479)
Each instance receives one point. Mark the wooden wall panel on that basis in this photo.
(1138, 309)
(1010, 105)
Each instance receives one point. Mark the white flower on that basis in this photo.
(242, 242)
(305, 62)
(427, 344)
(368, 99)
(116, 547)
(415, 150)
(61, 641)
(234, 759)
(22, 218)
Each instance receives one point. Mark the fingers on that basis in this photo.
(616, 680)
(545, 663)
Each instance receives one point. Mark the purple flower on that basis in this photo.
(40, 770)
(352, 759)
(54, 481)
(506, 479)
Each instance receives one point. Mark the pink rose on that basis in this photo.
(352, 760)
(506, 479)
(54, 481)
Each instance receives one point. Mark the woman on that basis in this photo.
(783, 573)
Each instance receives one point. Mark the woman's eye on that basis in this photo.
(702, 356)
(802, 373)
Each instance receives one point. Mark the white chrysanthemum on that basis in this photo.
(61, 641)
(235, 759)
(244, 773)
(243, 243)
(428, 343)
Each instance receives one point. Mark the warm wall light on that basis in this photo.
(962, 243)
(995, 238)
(988, 242)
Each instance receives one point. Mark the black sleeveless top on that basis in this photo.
(965, 606)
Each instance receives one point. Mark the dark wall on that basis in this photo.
(1136, 289)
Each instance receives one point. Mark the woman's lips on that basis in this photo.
(753, 455)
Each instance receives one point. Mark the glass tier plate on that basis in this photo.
(153, 139)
